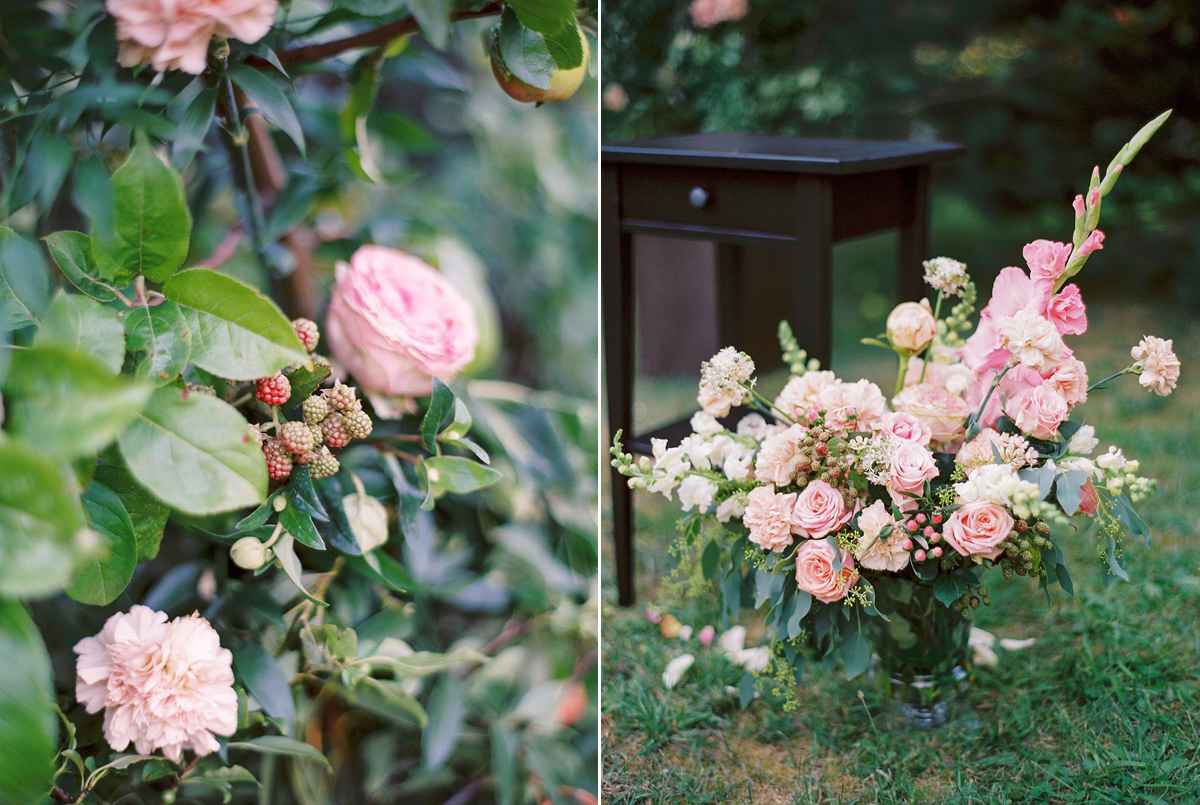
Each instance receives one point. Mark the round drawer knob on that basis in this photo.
(698, 197)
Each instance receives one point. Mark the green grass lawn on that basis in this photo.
(1098, 710)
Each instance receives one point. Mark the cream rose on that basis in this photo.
(944, 414)
(978, 529)
(175, 33)
(911, 325)
(815, 573)
(768, 516)
(395, 323)
(820, 509)
(877, 552)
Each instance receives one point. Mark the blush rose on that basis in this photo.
(911, 326)
(175, 33)
(815, 573)
(978, 529)
(820, 509)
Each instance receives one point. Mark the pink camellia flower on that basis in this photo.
(768, 516)
(1066, 311)
(978, 529)
(1070, 380)
(779, 456)
(943, 413)
(1046, 259)
(912, 465)
(1039, 412)
(707, 13)
(906, 427)
(1160, 366)
(820, 509)
(175, 33)
(815, 573)
(911, 325)
(395, 323)
(161, 685)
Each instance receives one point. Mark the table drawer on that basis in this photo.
(756, 201)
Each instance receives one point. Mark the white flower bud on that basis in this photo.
(249, 553)
(368, 520)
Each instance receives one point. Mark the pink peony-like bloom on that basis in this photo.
(1160, 366)
(395, 323)
(912, 465)
(1070, 380)
(911, 325)
(815, 573)
(707, 13)
(820, 509)
(1046, 259)
(800, 394)
(852, 406)
(978, 529)
(1039, 412)
(906, 427)
(943, 413)
(779, 456)
(1067, 312)
(768, 516)
(175, 33)
(875, 551)
(161, 685)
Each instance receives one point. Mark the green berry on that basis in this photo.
(342, 397)
(315, 409)
(358, 424)
(296, 437)
(334, 429)
(325, 465)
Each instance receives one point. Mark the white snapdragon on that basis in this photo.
(753, 426)
(731, 507)
(1083, 442)
(672, 463)
(697, 492)
(698, 451)
(737, 465)
(706, 424)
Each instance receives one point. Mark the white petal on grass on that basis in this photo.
(676, 669)
(733, 640)
(1012, 644)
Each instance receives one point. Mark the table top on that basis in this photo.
(823, 155)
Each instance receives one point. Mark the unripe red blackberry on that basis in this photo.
(307, 332)
(325, 465)
(296, 437)
(358, 424)
(333, 427)
(341, 397)
(273, 390)
(279, 461)
(315, 409)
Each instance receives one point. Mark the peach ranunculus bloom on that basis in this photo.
(161, 685)
(175, 33)
(1160, 366)
(815, 573)
(395, 323)
(707, 13)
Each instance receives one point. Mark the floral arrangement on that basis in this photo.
(831, 493)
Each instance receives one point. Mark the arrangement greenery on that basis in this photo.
(228, 575)
(856, 524)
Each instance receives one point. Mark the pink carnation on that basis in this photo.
(1160, 365)
(820, 509)
(1046, 259)
(1066, 311)
(1070, 380)
(175, 33)
(395, 323)
(779, 456)
(768, 517)
(1039, 412)
(161, 685)
(815, 573)
(852, 406)
(978, 529)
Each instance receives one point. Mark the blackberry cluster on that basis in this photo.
(1023, 550)
(819, 462)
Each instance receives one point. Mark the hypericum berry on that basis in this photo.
(255, 435)
(358, 424)
(315, 409)
(279, 460)
(326, 464)
(273, 390)
(333, 427)
(296, 437)
(341, 397)
(307, 332)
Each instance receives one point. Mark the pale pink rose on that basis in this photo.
(955, 377)
(161, 685)
(978, 529)
(768, 516)
(876, 552)
(983, 448)
(1070, 380)
(1039, 412)
(819, 510)
(912, 465)
(1094, 241)
(1160, 370)
(861, 400)
(815, 573)
(779, 456)
(911, 325)
(707, 13)
(395, 323)
(943, 413)
(707, 635)
(906, 427)
(1067, 312)
(1046, 259)
(1032, 341)
(175, 33)
(1089, 501)
(800, 394)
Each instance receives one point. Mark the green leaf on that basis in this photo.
(99, 580)
(303, 495)
(69, 404)
(505, 767)
(269, 100)
(161, 342)
(386, 699)
(94, 197)
(152, 226)
(260, 673)
(554, 20)
(856, 654)
(447, 709)
(459, 475)
(440, 404)
(280, 745)
(300, 526)
(147, 514)
(434, 18)
(767, 585)
(28, 722)
(79, 322)
(193, 127)
(72, 251)
(237, 333)
(523, 51)
(195, 454)
(801, 603)
(304, 382)
(24, 282)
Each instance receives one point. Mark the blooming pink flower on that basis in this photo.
(707, 635)
(1066, 311)
(1160, 370)
(983, 448)
(1094, 241)
(1070, 380)
(161, 685)
(907, 427)
(779, 456)
(878, 552)
(175, 33)
(395, 323)
(978, 529)
(768, 517)
(1089, 501)
(1039, 412)
(815, 573)
(911, 325)
(862, 399)
(707, 13)
(1032, 340)
(943, 413)
(1046, 259)
(912, 465)
(819, 510)
(1078, 205)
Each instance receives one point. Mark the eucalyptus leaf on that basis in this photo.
(100, 579)
(81, 323)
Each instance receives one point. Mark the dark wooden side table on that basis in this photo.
(774, 206)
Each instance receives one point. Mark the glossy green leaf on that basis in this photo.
(24, 281)
(440, 404)
(459, 475)
(505, 764)
(446, 711)
(152, 225)
(28, 722)
(94, 196)
(386, 699)
(237, 333)
(283, 746)
(270, 100)
(82, 323)
(194, 453)
(303, 495)
(101, 578)
(554, 20)
(193, 127)
(261, 675)
(523, 51)
(67, 403)
(304, 382)
(434, 18)
(72, 251)
(148, 515)
(300, 526)
(160, 340)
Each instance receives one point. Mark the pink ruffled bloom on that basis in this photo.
(161, 685)
(1046, 259)
(1094, 241)
(853, 406)
(820, 509)
(801, 393)
(1070, 379)
(395, 323)
(1040, 412)
(815, 573)
(768, 517)
(978, 529)
(779, 456)
(1160, 366)
(1067, 312)
(942, 413)
(175, 33)
(1032, 340)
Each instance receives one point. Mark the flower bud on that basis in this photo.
(249, 553)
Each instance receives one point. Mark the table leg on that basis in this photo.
(914, 238)
(808, 280)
